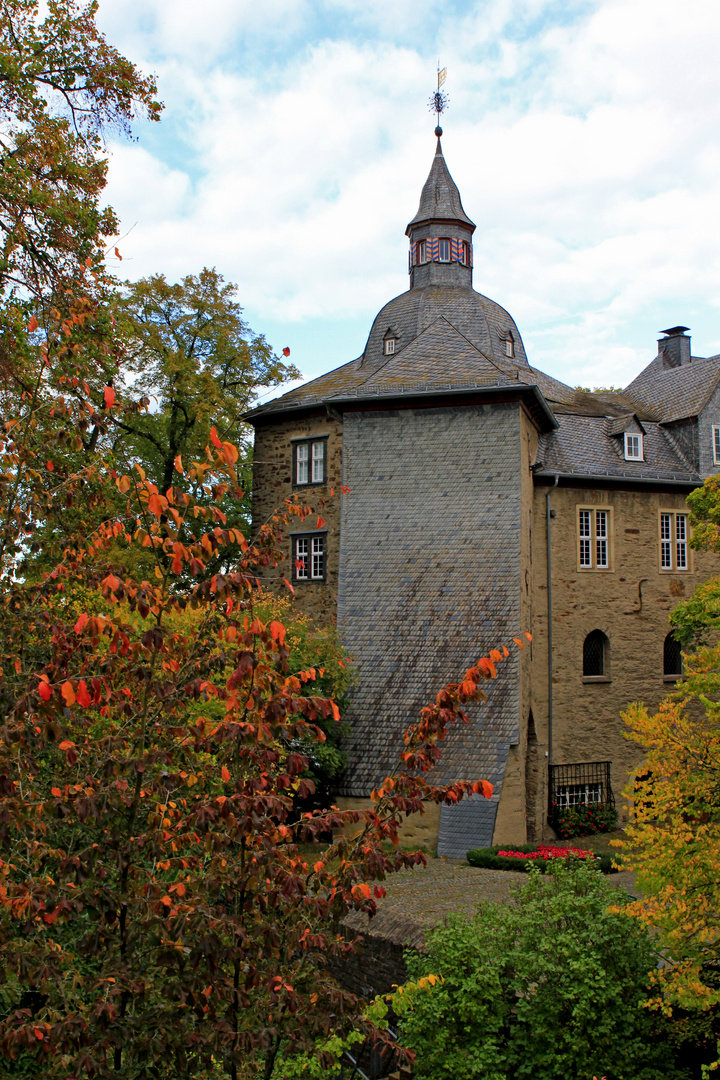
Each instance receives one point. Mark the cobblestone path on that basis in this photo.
(417, 899)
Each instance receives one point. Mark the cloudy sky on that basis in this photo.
(584, 136)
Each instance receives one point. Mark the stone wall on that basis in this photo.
(272, 484)
(630, 603)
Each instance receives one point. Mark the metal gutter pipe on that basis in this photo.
(549, 625)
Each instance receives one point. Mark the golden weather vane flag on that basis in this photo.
(442, 75)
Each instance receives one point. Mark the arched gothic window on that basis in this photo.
(672, 657)
(596, 655)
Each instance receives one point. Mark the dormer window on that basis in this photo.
(444, 250)
(389, 346)
(510, 345)
(633, 447)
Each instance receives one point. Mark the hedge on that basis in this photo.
(488, 859)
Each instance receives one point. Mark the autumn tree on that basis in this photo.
(157, 914)
(672, 839)
(62, 87)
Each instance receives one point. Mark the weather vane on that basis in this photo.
(439, 100)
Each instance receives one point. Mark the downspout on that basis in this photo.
(549, 627)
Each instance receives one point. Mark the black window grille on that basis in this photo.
(580, 784)
(594, 654)
(672, 656)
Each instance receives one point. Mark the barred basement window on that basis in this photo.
(309, 461)
(596, 648)
(594, 533)
(309, 559)
(673, 541)
(587, 782)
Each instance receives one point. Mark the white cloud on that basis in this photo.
(587, 153)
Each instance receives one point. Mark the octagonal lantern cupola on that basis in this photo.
(441, 232)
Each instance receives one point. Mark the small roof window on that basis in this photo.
(633, 447)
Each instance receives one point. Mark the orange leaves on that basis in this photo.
(44, 690)
(487, 668)
(483, 787)
(56, 792)
(277, 632)
(319, 867)
(68, 693)
(320, 522)
(361, 891)
(286, 351)
(214, 438)
(519, 643)
(286, 582)
(335, 711)
(66, 745)
(79, 625)
(157, 504)
(225, 773)
(33, 324)
(111, 583)
(82, 695)
(109, 396)
(123, 484)
(179, 465)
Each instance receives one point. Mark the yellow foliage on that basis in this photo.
(673, 838)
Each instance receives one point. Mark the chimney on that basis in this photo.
(675, 347)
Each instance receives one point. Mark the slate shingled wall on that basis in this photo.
(430, 579)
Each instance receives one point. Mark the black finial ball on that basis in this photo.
(438, 131)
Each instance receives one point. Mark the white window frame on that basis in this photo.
(716, 444)
(568, 795)
(510, 346)
(420, 256)
(634, 450)
(595, 533)
(309, 462)
(309, 556)
(444, 245)
(673, 542)
(389, 346)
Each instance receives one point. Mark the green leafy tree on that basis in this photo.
(193, 358)
(550, 986)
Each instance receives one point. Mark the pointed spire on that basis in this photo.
(440, 199)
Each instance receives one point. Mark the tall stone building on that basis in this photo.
(487, 498)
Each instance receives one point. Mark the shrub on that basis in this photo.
(490, 859)
(586, 819)
(552, 986)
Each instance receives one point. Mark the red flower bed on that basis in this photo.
(545, 852)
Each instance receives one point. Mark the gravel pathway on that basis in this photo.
(417, 899)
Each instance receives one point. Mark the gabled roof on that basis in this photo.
(440, 198)
(676, 393)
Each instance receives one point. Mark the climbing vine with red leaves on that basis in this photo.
(165, 909)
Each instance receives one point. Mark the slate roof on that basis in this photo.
(476, 317)
(440, 198)
(679, 392)
(584, 445)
